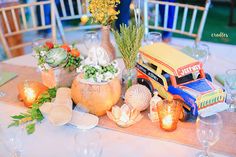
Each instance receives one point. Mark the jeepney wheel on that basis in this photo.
(146, 83)
(208, 77)
(184, 115)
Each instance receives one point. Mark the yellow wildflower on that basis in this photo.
(103, 11)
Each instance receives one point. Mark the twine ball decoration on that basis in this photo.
(138, 96)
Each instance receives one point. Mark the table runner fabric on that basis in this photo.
(10, 88)
(6, 76)
(185, 133)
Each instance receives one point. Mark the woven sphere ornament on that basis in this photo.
(138, 96)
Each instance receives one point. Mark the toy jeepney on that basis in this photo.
(177, 76)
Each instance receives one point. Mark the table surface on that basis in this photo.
(49, 141)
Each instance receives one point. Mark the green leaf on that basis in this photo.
(18, 116)
(14, 123)
(30, 128)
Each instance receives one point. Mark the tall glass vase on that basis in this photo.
(129, 78)
(106, 42)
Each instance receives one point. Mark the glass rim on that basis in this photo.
(220, 121)
(230, 70)
(91, 32)
(153, 32)
(95, 133)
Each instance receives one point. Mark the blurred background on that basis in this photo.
(220, 24)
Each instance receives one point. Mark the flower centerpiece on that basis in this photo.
(104, 12)
(58, 63)
(129, 41)
(97, 87)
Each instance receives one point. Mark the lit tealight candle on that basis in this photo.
(29, 91)
(167, 122)
(168, 113)
(29, 94)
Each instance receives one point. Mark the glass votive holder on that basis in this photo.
(169, 113)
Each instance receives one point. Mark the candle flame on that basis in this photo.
(30, 94)
(167, 121)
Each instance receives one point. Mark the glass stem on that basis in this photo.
(206, 148)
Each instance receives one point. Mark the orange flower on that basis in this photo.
(75, 53)
(49, 45)
(66, 47)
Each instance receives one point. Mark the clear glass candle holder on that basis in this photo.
(169, 113)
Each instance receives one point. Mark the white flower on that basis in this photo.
(99, 77)
(97, 67)
(80, 69)
(43, 53)
(108, 76)
(46, 66)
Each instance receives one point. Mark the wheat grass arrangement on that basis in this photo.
(129, 41)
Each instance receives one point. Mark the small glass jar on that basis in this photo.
(129, 78)
(169, 113)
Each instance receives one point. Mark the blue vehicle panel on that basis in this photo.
(200, 85)
(188, 99)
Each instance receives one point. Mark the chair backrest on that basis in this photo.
(190, 13)
(71, 10)
(25, 26)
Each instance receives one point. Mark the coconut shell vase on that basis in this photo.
(96, 98)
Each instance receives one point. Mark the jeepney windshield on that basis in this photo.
(187, 78)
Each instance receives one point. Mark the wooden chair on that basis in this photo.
(25, 27)
(76, 10)
(187, 9)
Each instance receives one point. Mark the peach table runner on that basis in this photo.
(10, 88)
(185, 133)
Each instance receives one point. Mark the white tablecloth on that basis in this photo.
(49, 141)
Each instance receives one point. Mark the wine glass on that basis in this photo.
(208, 132)
(137, 11)
(90, 39)
(230, 87)
(201, 52)
(36, 43)
(152, 37)
(12, 140)
(88, 143)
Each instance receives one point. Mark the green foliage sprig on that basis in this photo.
(129, 41)
(33, 115)
(73, 62)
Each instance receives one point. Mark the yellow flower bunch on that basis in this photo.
(103, 11)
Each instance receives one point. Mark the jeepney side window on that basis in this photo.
(149, 64)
